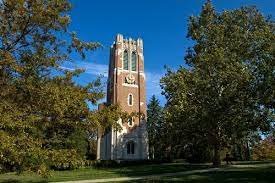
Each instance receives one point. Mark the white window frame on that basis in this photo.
(136, 55)
(128, 61)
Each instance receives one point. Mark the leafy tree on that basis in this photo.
(41, 113)
(228, 90)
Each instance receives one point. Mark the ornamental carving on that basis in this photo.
(130, 79)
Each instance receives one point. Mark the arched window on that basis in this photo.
(134, 61)
(130, 147)
(131, 121)
(130, 99)
(125, 60)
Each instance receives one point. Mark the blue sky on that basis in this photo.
(162, 24)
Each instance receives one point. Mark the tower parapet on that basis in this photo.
(119, 38)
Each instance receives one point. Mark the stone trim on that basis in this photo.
(129, 85)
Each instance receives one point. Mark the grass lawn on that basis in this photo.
(92, 173)
(248, 172)
(243, 173)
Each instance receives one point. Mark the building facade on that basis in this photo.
(126, 87)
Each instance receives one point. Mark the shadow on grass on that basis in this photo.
(230, 175)
(92, 173)
(141, 170)
(262, 172)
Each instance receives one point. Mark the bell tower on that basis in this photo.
(126, 81)
(126, 87)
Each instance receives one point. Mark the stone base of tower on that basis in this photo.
(124, 145)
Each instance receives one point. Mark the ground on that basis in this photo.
(244, 173)
(239, 172)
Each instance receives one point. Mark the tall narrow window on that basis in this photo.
(134, 61)
(125, 60)
(130, 99)
(131, 121)
(131, 147)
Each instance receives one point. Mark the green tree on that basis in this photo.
(155, 127)
(41, 112)
(228, 90)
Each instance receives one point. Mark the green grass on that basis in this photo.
(245, 172)
(92, 173)
(260, 173)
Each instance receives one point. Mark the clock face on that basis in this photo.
(130, 79)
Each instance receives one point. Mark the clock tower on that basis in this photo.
(126, 87)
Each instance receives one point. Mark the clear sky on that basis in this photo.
(162, 24)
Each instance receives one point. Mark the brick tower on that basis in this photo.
(126, 87)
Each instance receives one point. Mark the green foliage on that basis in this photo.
(156, 129)
(43, 117)
(197, 152)
(78, 140)
(91, 149)
(220, 98)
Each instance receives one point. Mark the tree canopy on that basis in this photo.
(41, 113)
(227, 92)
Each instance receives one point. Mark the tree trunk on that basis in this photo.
(217, 156)
(247, 152)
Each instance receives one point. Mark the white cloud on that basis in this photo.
(94, 69)
(153, 83)
(66, 68)
(89, 67)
